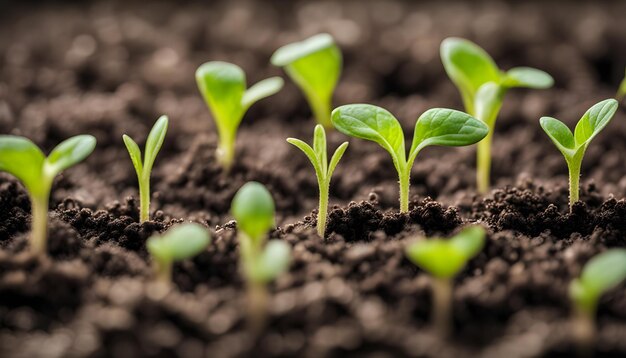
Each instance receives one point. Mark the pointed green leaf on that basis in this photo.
(70, 152)
(260, 90)
(527, 77)
(154, 142)
(23, 159)
(180, 242)
(319, 146)
(135, 153)
(334, 160)
(601, 274)
(469, 241)
(274, 260)
(310, 153)
(253, 208)
(560, 135)
(594, 120)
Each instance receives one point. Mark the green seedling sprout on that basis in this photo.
(621, 92)
(314, 65)
(573, 146)
(23, 159)
(144, 168)
(180, 242)
(601, 274)
(483, 86)
(223, 86)
(323, 169)
(261, 262)
(437, 126)
(444, 259)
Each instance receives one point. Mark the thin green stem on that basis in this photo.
(483, 163)
(442, 302)
(226, 149)
(162, 270)
(322, 212)
(258, 300)
(39, 225)
(405, 182)
(321, 110)
(574, 178)
(144, 198)
(584, 331)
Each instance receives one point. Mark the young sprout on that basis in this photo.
(314, 65)
(573, 146)
(180, 242)
(253, 208)
(437, 126)
(601, 274)
(23, 159)
(621, 92)
(144, 168)
(223, 86)
(323, 170)
(444, 259)
(483, 86)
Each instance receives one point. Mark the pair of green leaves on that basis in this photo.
(314, 65)
(253, 209)
(445, 258)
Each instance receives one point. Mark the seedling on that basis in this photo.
(314, 65)
(444, 259)
(223, 86)
(601, 274)
(180, 242)
(323, 170)
(23, 159)
(144, 168)
(573, 146)
(621, 92)
(483, 86)
(253, 208)
(437, 126)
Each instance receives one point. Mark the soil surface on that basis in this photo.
(112, 67)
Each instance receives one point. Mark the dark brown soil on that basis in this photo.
(112, 67)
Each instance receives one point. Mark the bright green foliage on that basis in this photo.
(223, 86)
(314, 65)
(22, 158)
(323, 170)
(573, 146)
(253, 208)
(143, 168)
(482, 86)
(445, 258)
(601, 274)
(437, 126)
(621, 92)
(180, 242)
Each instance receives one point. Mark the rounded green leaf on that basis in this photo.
(260, 90)
(469, 241)
(560, 134)
(527, 77)
(223, 85)
(274, 260)
(155, 142)
(23, 159)
(180, 242)
(297, 50)
(437, 257)
(253, 208)
(70, 152)
(594, 120)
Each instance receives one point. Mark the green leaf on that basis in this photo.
(297, 50)
(336, 158)
(69, 152)
(527, 77)
(319, 146)
(310, 153)
(23, 159)
(594, 120)
(253, 208)
(180, 242)
(560, 135)
(469, 241)
(621, 91)
(260, 90)
(488, 102)
(154, 142)
(601, 274)
(135, 154)
(274, 260)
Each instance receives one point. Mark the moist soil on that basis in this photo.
(112, 67)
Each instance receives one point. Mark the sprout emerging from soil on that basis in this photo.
(483, 86)
(314, 65)
(323, 169)
(437, 126)
(573, 146)
(621, 92)
(23, 159)
(444, 259)
(223, 86)
(601, 274)
(143, 168)
(253, 208)
(180, 242)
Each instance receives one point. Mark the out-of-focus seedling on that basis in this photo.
(23, 159)
(314, 65)
(143, 168)
(483, 86)
(437, 126)
(261, 262)
(621, 92)
(223, 86)
(180, 242)
(444, 259)
(323, 169)
(601, 274)
(573, 146)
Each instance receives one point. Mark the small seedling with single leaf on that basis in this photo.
(601, 274)
(180, 242)
(437, 126)
(23, 159)
(573, 146)
(261, 262)
(483, 86)
(444, 259)
(143, 168)
(314, 65)
(223, 86)
(323, 169)
(621, 92)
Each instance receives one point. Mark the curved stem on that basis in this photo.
(483, 163)
(39, 225)
(405, 182)
(144, 198)
(322, 212)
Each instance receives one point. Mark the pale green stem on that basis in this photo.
(442, 310)
(162, 270)
(574, 178)
(584, 330)
(258, 300)
(321, 110)
(39, 225)
(226, 149)
(144, 198)
(483, 163)
(405, 182)
(322, 212)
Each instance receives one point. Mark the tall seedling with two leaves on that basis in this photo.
(323, 169)
(437, 126)
(22, 158)
(483, 86)
(143, 168)
(223, 86)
